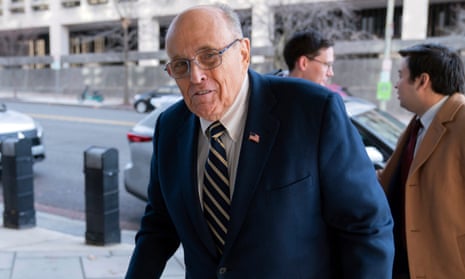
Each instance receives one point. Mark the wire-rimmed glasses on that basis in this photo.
(206, 60)
(329, 65)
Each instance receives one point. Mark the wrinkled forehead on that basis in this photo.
(196, 28)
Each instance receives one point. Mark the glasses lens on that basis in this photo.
(178, 68)
(208, 59)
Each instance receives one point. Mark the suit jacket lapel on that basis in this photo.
(253, 155)
(187, 146)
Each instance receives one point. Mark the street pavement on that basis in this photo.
(56, 248)
(60, 98)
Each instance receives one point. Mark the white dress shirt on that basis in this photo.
(426, 120)
(234, 122)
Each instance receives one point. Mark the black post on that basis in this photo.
(101, 193)
(17, 179)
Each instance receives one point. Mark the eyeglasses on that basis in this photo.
(329, 65)
(206, 60)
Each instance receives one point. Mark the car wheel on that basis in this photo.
(141, 107)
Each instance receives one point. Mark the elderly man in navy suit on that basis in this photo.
(256, 176)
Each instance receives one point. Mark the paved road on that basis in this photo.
(69, 131)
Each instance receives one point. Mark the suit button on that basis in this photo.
(222, 270)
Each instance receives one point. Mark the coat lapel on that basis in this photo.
(436, 130)
(257, 141)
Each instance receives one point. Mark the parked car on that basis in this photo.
(148, 101)
(14, 124)
(378, 129)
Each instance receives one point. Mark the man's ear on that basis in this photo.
(245, 51)
(301, 63)
(423, 80)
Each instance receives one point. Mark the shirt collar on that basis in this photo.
(235, 115)
(428, 116)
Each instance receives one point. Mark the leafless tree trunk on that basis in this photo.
(336, 20)
(125, 10)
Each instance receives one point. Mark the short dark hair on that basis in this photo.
(308, 42)
(443, 65)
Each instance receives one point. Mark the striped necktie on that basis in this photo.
(216, 193)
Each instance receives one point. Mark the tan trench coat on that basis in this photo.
(435, 195)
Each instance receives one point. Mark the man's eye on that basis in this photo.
(210, 55)
(179, 64)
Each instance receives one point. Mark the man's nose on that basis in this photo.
(196, 74)
(330, 72)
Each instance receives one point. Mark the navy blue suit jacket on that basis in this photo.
(307, 203)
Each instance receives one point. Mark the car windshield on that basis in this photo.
(380, 123)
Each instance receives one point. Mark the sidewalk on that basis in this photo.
(63, 99)
(55, 249)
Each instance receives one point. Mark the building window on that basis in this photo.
(23, 43)
(446, 19)
(99, 45)
(75, 46)
(40, 48)
(17, 6)
(39, 5)
(101, 40)
(97, 2)
(70, 3)
(373, 21)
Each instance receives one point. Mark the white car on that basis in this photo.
(14, 124)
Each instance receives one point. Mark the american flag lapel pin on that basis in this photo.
(254, 137)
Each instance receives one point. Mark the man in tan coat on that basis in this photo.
(429, 207)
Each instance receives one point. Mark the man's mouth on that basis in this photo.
(203, 92)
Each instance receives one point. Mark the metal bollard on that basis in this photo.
(17, 179)
(101, 196)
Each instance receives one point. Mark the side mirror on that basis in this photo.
(2, 107)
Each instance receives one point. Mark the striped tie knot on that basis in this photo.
(216, 129)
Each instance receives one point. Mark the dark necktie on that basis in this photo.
(409, 151)
(397, 200)
(216, 192)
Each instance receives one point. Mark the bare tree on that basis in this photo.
(337, 20)
(125, 10)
